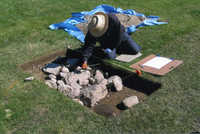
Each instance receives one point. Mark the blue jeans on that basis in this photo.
(128, 46)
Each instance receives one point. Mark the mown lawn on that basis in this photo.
(33, 108)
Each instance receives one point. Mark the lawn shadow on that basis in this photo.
(141, 84)
(133, 81)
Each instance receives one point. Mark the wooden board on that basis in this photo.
(127, 58)
(162, 71)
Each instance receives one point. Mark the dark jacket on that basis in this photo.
(111, 39)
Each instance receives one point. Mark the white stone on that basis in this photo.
(130, 101)
(91, 81)
(63, 75)
(83, 78)
(52, 76)
(68, 90)
(29, 78)
(70, 77)
(51, 83)
(91, 95)
(116, 81)
(64, 69)
(98, 76)
(79, 101)
(52, 68)
(78, 69)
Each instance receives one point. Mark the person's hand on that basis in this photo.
(110, 53)
(84, 65)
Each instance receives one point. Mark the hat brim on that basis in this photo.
(97, 33)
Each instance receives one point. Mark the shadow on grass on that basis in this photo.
(142, 85)
(133, 81)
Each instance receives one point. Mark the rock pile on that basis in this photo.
(87, 87)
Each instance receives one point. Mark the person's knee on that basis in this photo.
(134, 47)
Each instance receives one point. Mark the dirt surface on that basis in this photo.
(109, 106)
(34, 67)
(126, 20)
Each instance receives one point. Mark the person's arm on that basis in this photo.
(117, 30)
(110, 53)
(90, 42)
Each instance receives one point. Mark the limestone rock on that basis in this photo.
(91, 95)
(63, 75)
(75, 91)
(78, 69)
(68, 90)
(61, 85)
(51, 83)
(79, 101)
(98, 76)
(52, 76)
(52, 68)
(83, 78)
(70, 77)
(29, 78)
(130, 101)
(116, 81)
(91, 81)
(64, 69)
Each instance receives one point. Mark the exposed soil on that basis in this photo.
(126, 20)
(34, 66)
(109, 106)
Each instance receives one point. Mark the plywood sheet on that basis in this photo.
(127, 57)
(157, 71)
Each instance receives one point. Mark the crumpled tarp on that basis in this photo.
(69, 25)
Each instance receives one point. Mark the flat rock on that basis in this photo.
(52, 68)
(116, 81)
(130, 101)
(29, 78)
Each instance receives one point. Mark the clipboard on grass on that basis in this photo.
(156, 65)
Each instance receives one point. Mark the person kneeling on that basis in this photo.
(110, 33)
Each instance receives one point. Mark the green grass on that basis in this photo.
(34, 108)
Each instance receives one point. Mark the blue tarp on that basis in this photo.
(69, 25)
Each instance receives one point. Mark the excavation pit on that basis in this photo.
(111, 105)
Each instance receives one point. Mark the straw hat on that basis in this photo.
(98, 24)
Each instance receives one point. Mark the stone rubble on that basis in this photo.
(92, 94)
(81, 85)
